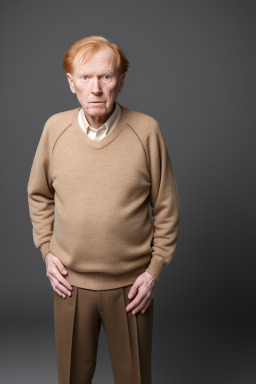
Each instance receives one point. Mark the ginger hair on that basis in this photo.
(83, 48)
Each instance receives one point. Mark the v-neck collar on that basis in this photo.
(97, 144)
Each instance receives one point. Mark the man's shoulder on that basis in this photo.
(58, 122)
(140, 118)
(143, 124)
(61, 118)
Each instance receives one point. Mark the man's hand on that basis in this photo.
(143, 287)
(54, 268)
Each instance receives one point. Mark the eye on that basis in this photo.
(106, 76)
(84, 77)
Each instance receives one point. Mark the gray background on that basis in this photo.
(192, 67)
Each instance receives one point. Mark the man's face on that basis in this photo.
(96, 84)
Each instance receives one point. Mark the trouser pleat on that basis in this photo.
(64, 315)
(127, 347)
(87, 326)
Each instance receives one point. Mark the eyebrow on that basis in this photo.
(101, 74)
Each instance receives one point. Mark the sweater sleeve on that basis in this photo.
(164, 200)
(41, 194)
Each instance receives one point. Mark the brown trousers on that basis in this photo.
(77, 321)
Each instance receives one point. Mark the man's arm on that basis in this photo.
(41, 194)
(164, 200)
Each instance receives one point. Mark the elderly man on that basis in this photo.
(95, 171)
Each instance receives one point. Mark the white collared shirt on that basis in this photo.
(106, 128)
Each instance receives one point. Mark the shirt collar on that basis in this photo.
(106, 125)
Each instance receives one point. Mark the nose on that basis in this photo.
(96, 89)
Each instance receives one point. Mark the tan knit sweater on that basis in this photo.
(89, 200)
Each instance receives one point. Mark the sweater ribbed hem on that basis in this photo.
(101, 281)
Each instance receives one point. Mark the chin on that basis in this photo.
(96, 111)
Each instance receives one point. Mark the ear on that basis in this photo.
(71, 83)
(121, 82)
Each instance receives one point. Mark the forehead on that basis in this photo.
(102, 60)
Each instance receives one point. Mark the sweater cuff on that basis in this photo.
(44, 249)
(156, 266)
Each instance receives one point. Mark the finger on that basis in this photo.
(140, 306)
(137, 301)
(147, 305)
(134, 290)
(135, 287)
(60, 293)
(57, 284)
(55, 273)
(57, 290)
(60, 266)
